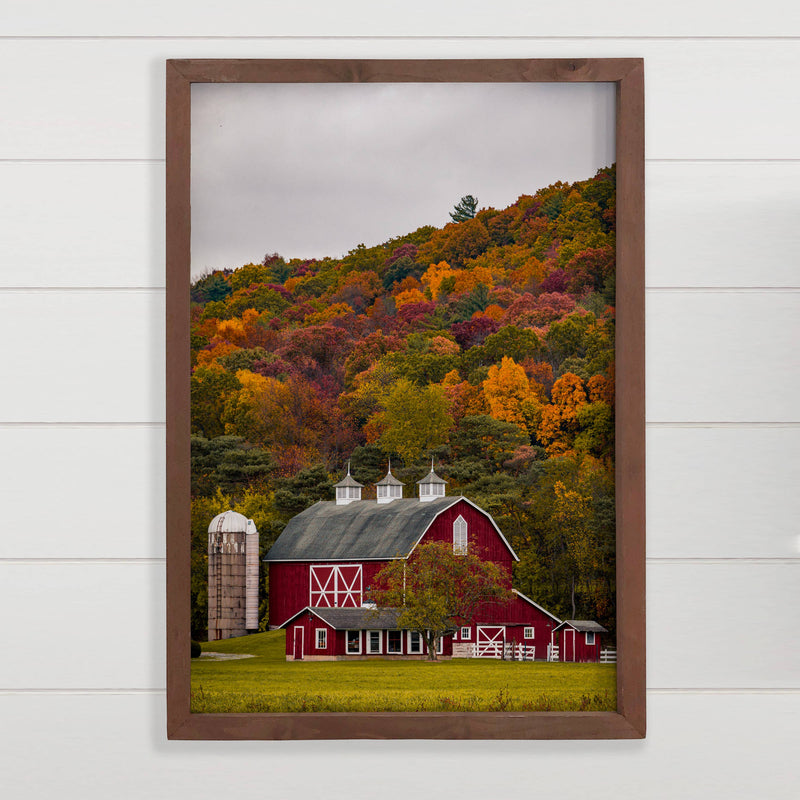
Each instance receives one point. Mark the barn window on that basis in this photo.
(322, 638)
(414, 642)
(374, 642)
(460, 536)
(394, 642)
(528, 633)
(353, 642)
(465, 634)
(590, 638)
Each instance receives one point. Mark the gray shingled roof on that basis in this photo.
(348, 480)
(359, 618)
(389, 480)
(431, 477)
(583, 625)
(363, 529)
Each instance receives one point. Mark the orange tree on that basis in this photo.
(437, 589)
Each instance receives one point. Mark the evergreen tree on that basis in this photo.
(464, 209)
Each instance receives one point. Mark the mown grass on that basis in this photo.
(268, 683)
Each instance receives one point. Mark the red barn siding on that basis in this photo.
(482, 537)
(516, 615)
(581, 652)
(289, 585)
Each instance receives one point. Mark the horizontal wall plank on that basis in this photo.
(394, 18)
(711, 224)
(732, 746)
(714, 625)
(700, 224)
(83, 625)
(723, 492)
(723, 625)
(104, 490)
(108, 96)
(722, 357)
(83, 356)
(82, 224)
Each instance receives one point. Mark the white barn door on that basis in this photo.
(490, 641)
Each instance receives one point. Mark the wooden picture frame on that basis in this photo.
(629, 720)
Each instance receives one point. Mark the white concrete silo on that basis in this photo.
(232, 576)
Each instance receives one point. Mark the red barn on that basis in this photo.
(578, 640)
(323, 564)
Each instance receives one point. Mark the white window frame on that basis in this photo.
(460, 536)
(324, 632)
(394, 652)
(347, 649)
(589, 642)
(409, 650)
(368, 643)
(528, 633)
(466, 634)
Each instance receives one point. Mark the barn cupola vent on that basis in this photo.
(389, 488)
(348, 490)
(431, 486)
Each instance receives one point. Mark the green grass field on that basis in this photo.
(268, 683)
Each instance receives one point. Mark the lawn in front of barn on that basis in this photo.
(265, 682)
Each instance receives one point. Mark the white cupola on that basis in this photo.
(389, 488)
(431, 486)
(348, 490)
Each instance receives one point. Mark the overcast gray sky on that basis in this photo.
(312, 170)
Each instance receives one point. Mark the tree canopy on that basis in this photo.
(464, 209)
(487, 343)
(437, 589)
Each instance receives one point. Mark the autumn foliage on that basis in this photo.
(487, 344)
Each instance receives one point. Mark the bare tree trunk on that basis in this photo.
(573, 597)
(432, 640)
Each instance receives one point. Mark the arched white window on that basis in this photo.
(460, 536)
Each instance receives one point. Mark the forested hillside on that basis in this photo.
(487, 345)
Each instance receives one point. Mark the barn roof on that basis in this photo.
(361, 530)
(358, 618)
(582, 625)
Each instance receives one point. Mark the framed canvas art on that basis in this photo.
(405, 399)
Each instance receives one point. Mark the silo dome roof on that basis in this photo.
(229, 522)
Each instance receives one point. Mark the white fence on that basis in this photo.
(506, 650)
(519, 652)
(608, 656)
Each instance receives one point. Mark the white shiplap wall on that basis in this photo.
(81, 414)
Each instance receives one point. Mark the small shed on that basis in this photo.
(579, 640)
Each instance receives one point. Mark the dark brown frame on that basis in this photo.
(629, 720)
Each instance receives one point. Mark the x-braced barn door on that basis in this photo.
(490, 641)
(297, 651)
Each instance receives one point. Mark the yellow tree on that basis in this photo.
(573, 516)
(509, 395)
(434, 275)
(414, 419)
(559, 422)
